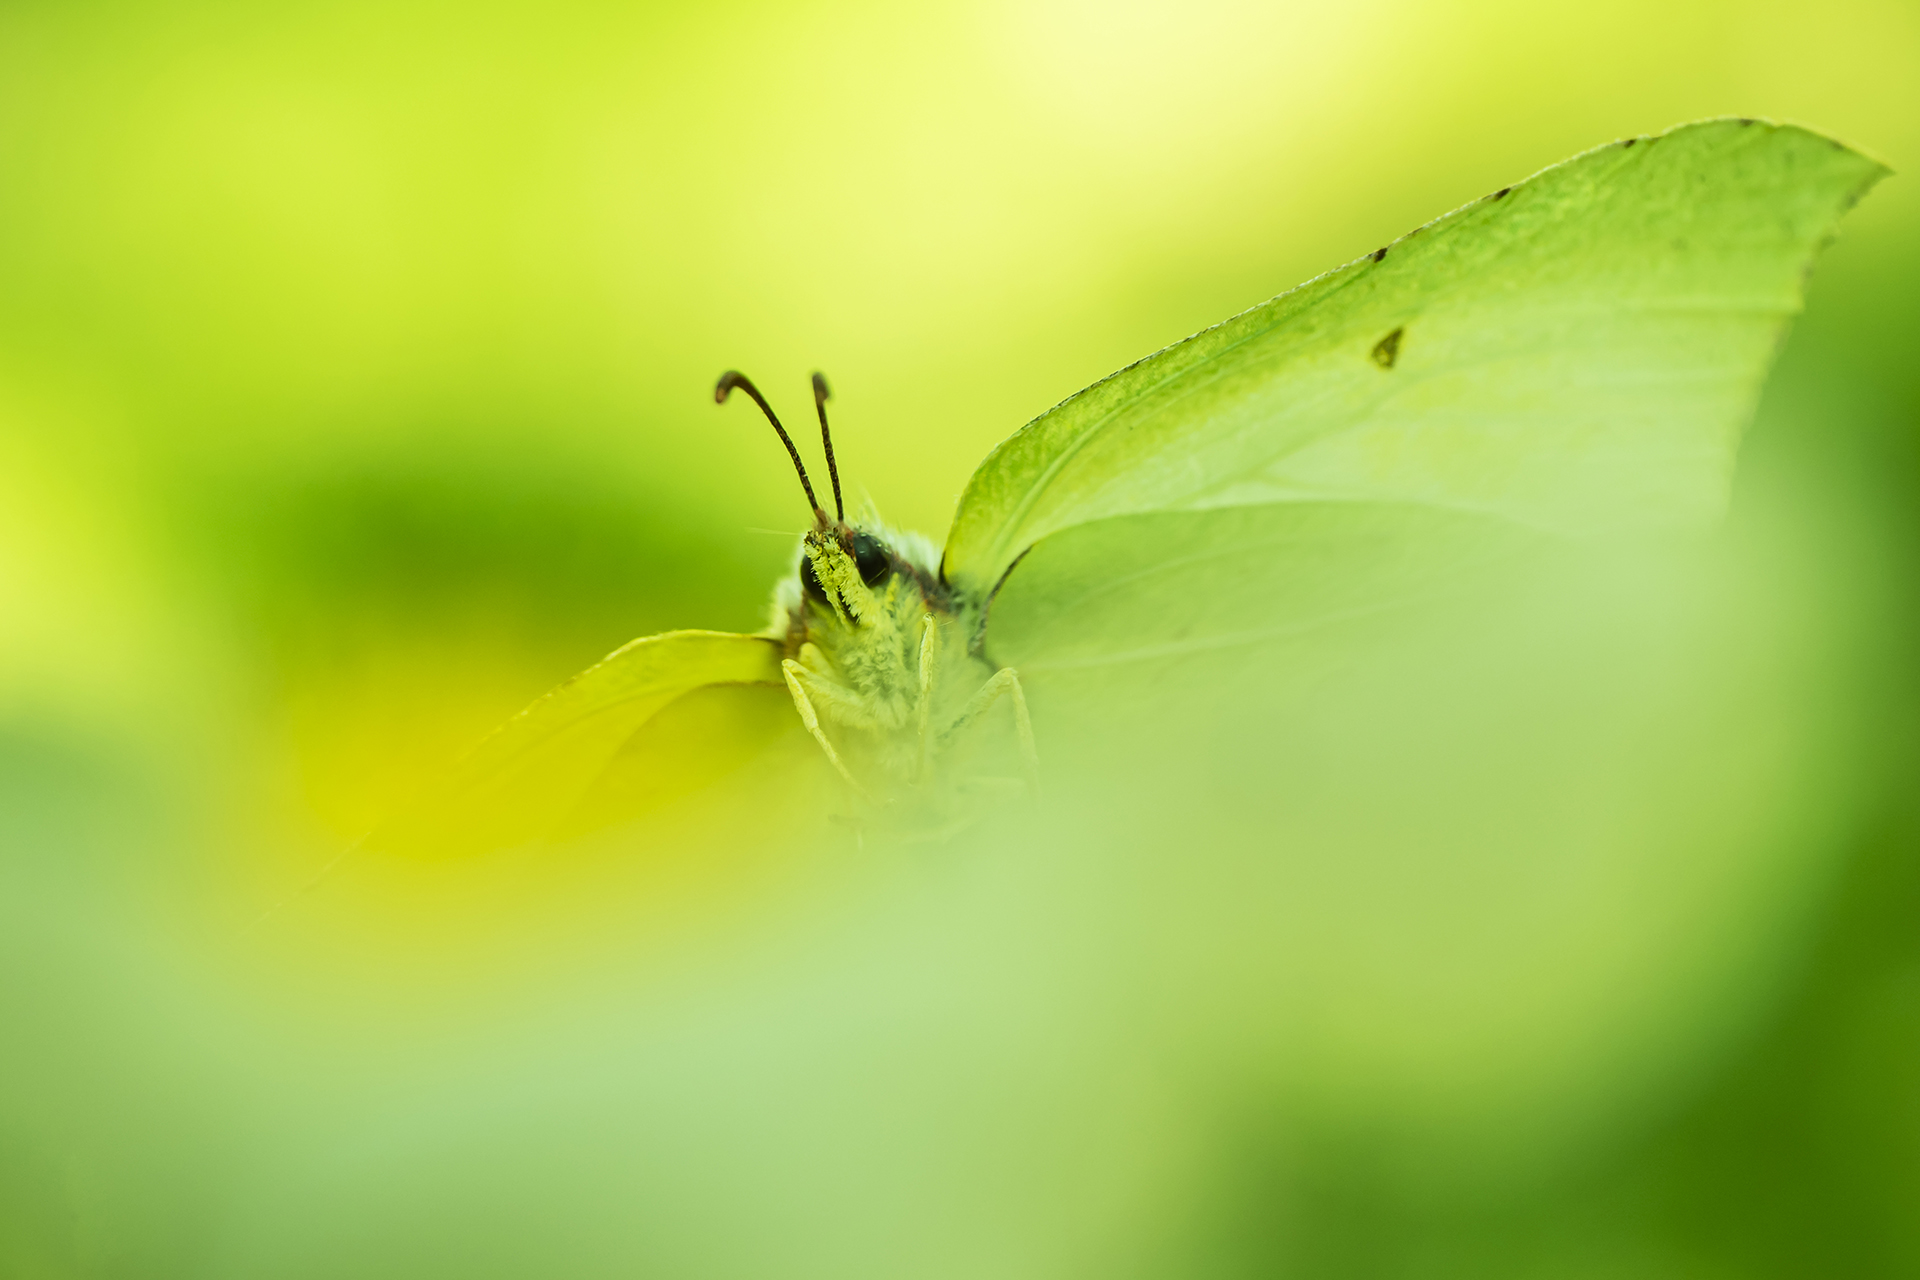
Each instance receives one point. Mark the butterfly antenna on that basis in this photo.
(820, 394)
(734, 378)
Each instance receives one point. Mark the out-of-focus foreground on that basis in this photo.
(355, 370)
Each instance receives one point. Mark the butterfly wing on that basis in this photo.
(581, 752)
(1578, 352)
(1148, 593)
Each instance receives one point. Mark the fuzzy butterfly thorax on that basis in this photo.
(877, 641)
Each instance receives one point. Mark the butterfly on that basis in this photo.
(1576, 354)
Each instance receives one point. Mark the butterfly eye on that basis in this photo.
(870, 558)
(810, 581)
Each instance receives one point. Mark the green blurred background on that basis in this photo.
(355, 369)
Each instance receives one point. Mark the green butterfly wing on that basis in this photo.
(1303, 578)
(1578, 352)
(581, 756)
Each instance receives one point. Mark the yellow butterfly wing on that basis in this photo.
(582, 757)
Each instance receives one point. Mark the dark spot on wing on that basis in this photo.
(1629, 142)
(1378, 254)
(1745, 121)
(1387, 350)
(1501, 194)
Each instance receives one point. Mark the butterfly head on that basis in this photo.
(847, 570)
(844, 569)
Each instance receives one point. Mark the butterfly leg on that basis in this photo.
(924, 711)
(1004, 681)
(804, 705)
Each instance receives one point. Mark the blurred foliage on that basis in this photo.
(354, 374)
